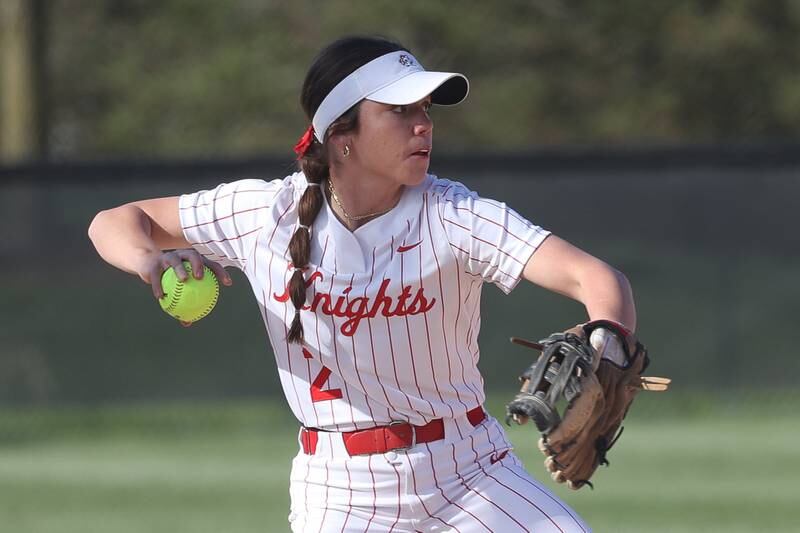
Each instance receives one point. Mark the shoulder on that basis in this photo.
(448, 193)
(447, 190)
(281, 190)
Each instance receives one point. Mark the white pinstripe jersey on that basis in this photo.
(392, 310)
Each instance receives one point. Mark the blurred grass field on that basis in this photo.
(684, 464)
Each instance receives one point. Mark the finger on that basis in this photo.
(519, 419)
(174, 261)
(220, 272)
(185, 324)
(155, 282)
(543, 447)
(196, 260)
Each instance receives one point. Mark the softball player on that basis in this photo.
(368, 273)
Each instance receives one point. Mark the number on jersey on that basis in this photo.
(317, 394)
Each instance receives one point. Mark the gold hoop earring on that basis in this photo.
(346, 150)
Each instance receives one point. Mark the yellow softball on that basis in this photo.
(192, 299)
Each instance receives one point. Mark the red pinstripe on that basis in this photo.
(447, 187)
(227, 216)
(475, 357)
(455, 335)
(493, 222)
(399, 503)
(349, 497)
(555, 500)
(214, 200)
(475, 315)
(336, 353)
(372, 343)
(237, 237)
(442, 300)
(510, 212)
(458, 314)
(217, 257)
(319, 349)
(374, 493)
(408, 334)
(355, 363)
(416, 492)
(448, 500)
(478, 199)
(464, 483)
(497, 246)
(305, 480)
(493, 203)
(528, 481)
(327, 489)
(470, 258)
(394, 361)
(472, 445)
(427, 329)
(266, 296)
(289, 355)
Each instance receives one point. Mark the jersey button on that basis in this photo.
(391, 457)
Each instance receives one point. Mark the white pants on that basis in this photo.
(468, 482)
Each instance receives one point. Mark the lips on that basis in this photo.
(422, 153)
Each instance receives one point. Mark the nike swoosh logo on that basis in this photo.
(494, 458)
(402, 249)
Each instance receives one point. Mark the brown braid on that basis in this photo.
(330, 67)
(314, 165)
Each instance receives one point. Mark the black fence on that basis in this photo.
(708, 236)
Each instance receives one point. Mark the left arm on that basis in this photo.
(605, 292)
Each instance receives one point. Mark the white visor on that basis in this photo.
(396, 78)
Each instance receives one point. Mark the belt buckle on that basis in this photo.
(413, 435)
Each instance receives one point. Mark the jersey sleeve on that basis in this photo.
(223, 223)
(492, 240)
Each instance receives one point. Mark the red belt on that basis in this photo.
(395, 436)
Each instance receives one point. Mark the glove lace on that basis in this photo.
(602, 447)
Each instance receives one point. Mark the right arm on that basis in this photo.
(133, 237)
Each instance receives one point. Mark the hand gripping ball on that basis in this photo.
(192, 299)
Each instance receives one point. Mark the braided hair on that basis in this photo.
(334, 63)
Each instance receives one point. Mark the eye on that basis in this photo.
(427, 106)
(399, 109)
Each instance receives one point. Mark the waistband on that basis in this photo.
(393, 437)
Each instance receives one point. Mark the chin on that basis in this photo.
(415, 176)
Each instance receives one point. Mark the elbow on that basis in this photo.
(622, 280)
(601, 275)
(95, 225)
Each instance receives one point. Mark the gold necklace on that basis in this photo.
(348, 216)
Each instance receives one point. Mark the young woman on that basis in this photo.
(368, 274)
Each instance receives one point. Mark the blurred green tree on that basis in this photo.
(201, 77)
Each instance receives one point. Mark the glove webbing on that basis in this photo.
(556, 375)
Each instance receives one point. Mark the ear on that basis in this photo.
(337, 142)
(336, 145)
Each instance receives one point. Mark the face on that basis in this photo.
(392, 143)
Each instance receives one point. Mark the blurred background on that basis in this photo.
(663, 137)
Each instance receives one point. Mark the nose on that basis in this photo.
(424, 124)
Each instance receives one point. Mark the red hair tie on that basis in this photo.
(305, 141)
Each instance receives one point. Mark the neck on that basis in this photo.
(361, 199)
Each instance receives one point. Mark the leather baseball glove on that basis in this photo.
(577, 396)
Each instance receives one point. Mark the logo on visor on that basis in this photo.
(405, 60)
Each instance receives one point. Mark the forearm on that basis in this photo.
(607, 294)
(123, 237)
